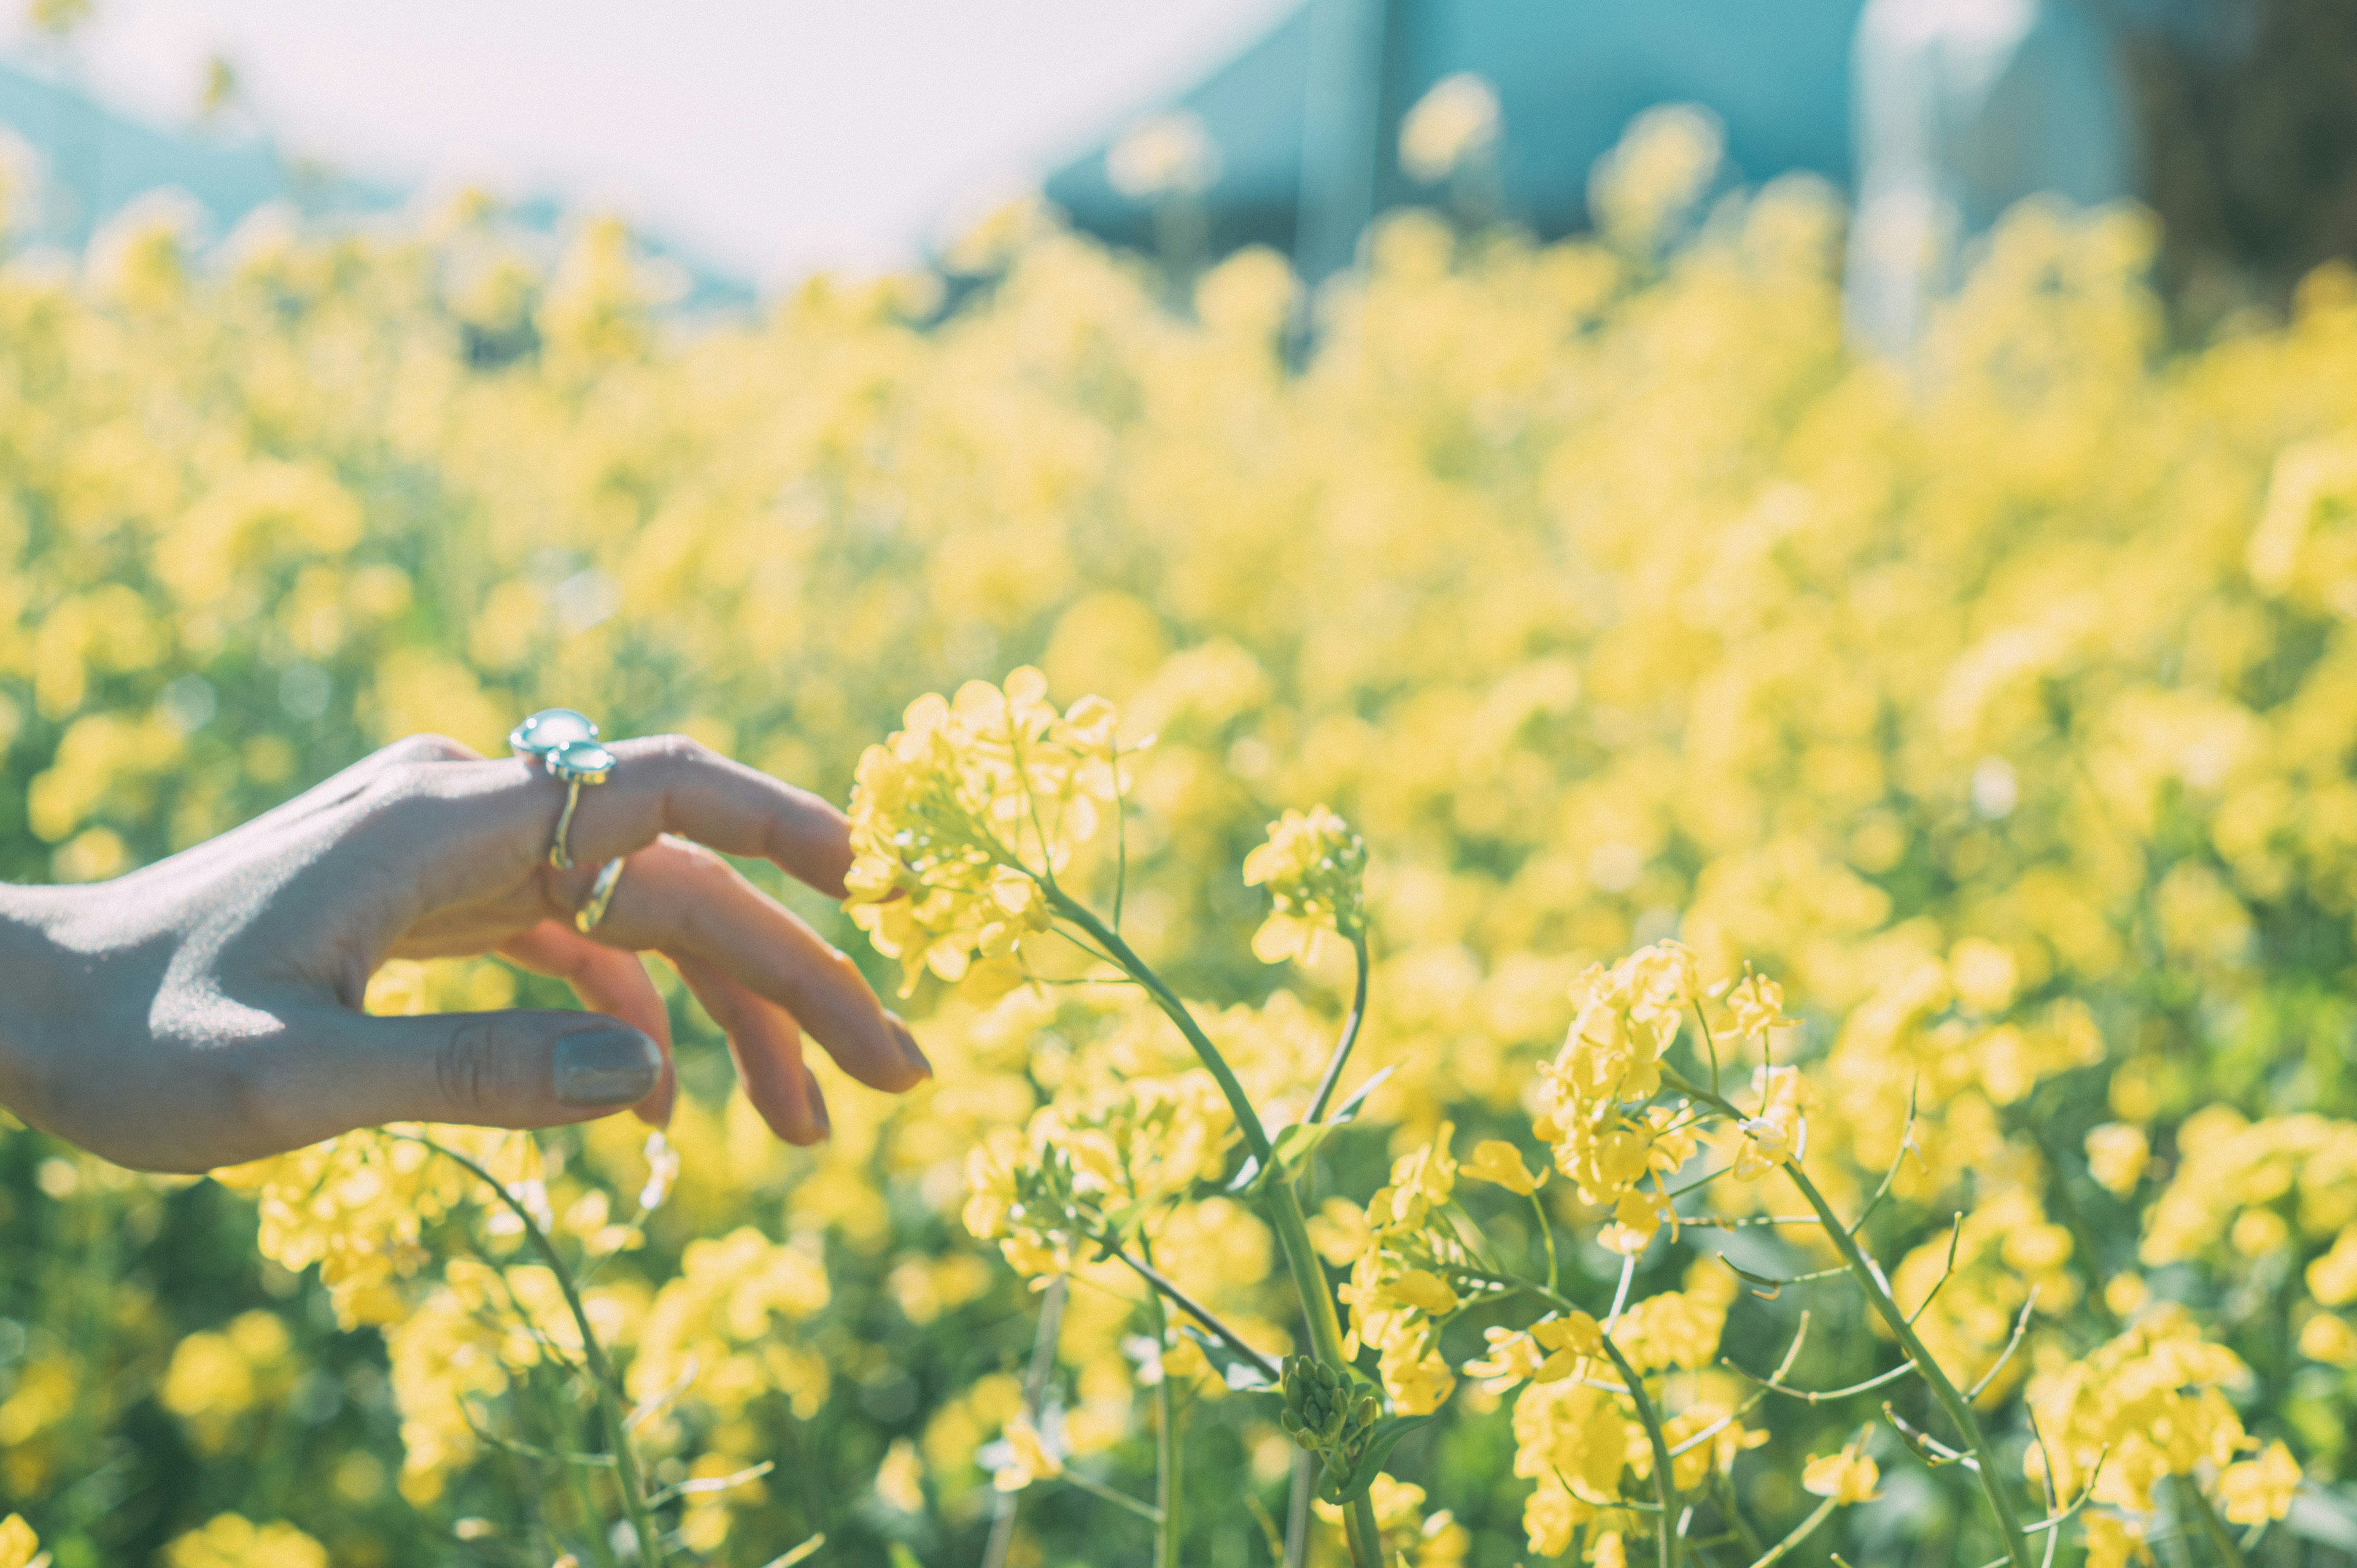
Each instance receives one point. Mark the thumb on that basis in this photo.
(519, 1067)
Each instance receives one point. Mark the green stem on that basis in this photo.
(1325, 1342)
(1990, 1471)
(1332, 1076)
(2213, 1528)
(1201, 1314)
(1119, 1498)
(1665, 1485)
(1546, 1234)
(1105, 937)
(602, 1376)
(1800, 1533)
(1284, 1205)
(1665, 1491)
(1724, 1490)
(1168, 1456)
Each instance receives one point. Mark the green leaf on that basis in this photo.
(1386, 1436)
(1348, 1112)
(1287, 1150)
(1245, 1377)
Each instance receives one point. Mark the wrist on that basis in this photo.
(33, 977)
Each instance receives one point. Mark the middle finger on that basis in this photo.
(686, 902)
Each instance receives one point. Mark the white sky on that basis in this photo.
(772, 137)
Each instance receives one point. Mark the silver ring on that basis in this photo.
(601, 893)
(563, 744)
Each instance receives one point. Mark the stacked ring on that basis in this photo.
(563, 744)
(601, 893)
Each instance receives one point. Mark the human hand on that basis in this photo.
(206, 1010)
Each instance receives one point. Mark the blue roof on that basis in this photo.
(1570, 74)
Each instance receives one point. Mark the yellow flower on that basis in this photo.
(1497, 1161)
(1780, 1132)
(900, 1479)
(958, 818)
(1848, 1476)
(2255, 1491)
(1758, 1005)
(2332, 1278)
(1425, 1291)
(231, 1541)
(1314, 866)
(18, 1542)
(2112, 1542)
(2117, 1154)
(2328, 1338)
(1028, 1459)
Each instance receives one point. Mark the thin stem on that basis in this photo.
(1185, 1304)
(1800, 1533)
(1621, 1293)
(1098, 1489)
(609, 1386)
(1723, 1490)
(1878, 1294)
(1284, 1204)
(1547, 1233)
(1035, 1394)
(1905, 1147)
(1296, 1508)
(1105, 937)
(2021, 1326)
(1332, 1076)
(1819, 1396)
(1120, 837)
(2213, 1528)
(1170, 1456)
(1665, 1485)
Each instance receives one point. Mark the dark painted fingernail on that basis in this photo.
(909, 1047)
(818, 1105)
(609, 1065)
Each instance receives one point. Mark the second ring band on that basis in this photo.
(601, 894)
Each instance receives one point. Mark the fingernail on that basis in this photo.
(818, 1105)
(609, 1065)
(909, 1047)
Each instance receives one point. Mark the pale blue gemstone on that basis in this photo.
(551, 730)
(583, 760)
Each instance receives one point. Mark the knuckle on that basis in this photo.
(469, 1067)
(425, 747)
(680, 751)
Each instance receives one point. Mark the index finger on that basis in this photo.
(673, 784)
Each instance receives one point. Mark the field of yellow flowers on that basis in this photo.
(1559, 921)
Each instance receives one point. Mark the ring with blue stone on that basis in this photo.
(563, 744)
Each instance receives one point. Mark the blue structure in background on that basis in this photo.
(95, 162)
(1315, 107)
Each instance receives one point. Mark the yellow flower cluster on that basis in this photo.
(1314, 867)
(359, 1206)
(714, 1335)
(18, 1544)
(217, 1378)
(1593, 1100)
(1398, 1293)
(2257, 1187)
(232, 1540)
(963, 820)
(2144, 1406)
(1093, 1166)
